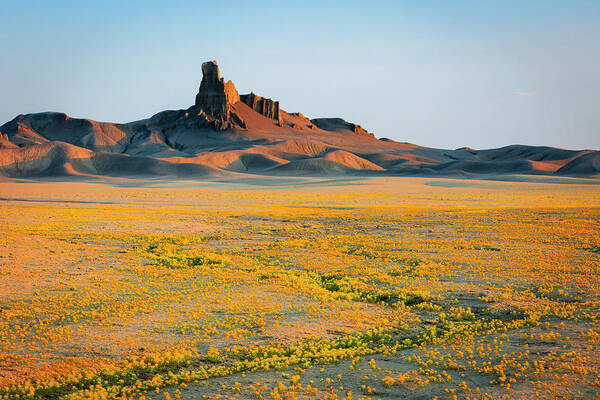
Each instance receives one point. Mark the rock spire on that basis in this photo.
(216, 98)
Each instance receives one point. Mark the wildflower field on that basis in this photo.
(299, 289)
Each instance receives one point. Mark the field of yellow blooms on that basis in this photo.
(299, 289)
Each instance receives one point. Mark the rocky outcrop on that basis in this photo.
(5, 142)
(263, 106)
(340, 125)
(231, 94)
(359, 130)
(215, 98)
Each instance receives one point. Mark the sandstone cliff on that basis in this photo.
(215, 98)
(214, 105)
(263, 106)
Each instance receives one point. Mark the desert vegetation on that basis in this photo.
(304, 288)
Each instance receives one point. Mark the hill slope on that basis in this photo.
(227, 133)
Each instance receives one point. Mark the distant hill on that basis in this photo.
(226, 133)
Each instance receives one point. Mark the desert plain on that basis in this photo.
(297, 288)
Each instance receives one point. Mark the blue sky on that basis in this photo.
(436, 73)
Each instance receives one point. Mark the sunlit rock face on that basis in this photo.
(5, 142)
(262, 105)
(215, 96)
(231, 94)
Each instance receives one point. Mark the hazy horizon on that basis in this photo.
(470, 73)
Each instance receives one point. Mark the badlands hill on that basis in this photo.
(226, 133)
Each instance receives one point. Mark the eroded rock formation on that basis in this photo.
(215, 97)
(231, 93)
(340, 125)
(262, 105)
(6, 143)
(215, 100)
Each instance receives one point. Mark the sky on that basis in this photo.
(442, 73)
